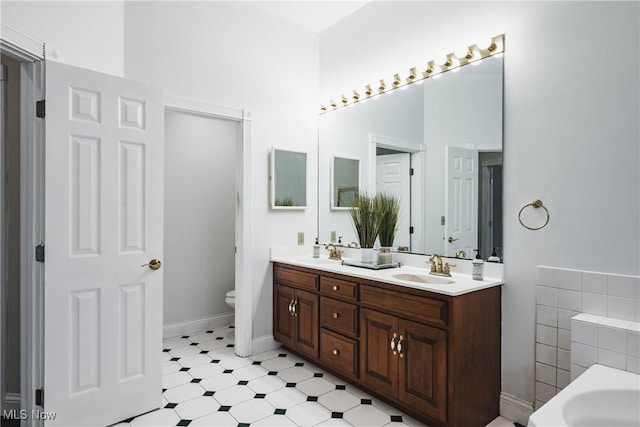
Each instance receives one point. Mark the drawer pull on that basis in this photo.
(336, 352)
(400, 347)
(336, 287)
(393, 343)
(336, 315)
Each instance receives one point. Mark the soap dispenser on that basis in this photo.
(494, 256)
(316, 249)
(477, 268)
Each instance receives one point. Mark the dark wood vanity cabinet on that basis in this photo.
(295, 314)
(434, 356)
(406, 361)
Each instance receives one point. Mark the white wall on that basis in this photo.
(233, 55)
(85, 34)
(199, 216)
(571, 112)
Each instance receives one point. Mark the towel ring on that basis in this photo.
(535, 204)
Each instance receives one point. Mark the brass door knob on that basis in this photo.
(154, 264)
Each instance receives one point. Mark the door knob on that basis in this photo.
(154, 264)
(451, 239)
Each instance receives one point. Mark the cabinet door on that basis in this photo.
(423, 368)
(283, 320)
(307, 323)
(379, 366)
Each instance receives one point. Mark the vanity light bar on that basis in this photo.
(452, 61)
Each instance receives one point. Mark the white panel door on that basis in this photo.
(103, 221)
(392, 176)
(461, 201)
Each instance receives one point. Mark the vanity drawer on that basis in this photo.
(414, 307)
(339, 316)
(295, 278)
(339, 353)
(338, 288)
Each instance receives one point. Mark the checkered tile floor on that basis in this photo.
(206, 384)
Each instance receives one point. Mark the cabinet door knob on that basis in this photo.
(336, 315)
(336, 287)
(295, 309)
(291, 308)
(400, 347)
(335, 352)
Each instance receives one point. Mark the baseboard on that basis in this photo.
(205, 323)
(264, 343)
(11, 402)
(515, 409)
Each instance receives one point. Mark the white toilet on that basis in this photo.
(230, 298)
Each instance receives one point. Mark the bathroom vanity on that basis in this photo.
(430, 349)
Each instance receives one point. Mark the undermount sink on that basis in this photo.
(422, 278)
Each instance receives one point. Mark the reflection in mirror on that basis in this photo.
(288, 179)
(345, 182)
(438, 146)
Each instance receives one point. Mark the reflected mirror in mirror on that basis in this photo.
(345, 182)
(288, 179)
(438, 146)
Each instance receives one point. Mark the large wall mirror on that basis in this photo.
(288, 176)
(437, 144)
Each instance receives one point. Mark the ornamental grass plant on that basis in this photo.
(390, 204)
(367, 214)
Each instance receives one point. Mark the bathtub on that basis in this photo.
(600, 397)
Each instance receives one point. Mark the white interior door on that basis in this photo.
(392, 176)
(103, 221)
(461, 201)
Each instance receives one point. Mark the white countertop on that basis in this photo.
(463, 283)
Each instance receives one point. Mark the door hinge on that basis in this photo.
(40, 109)
(40, 397)
(411, 229)
(40, 253)
(410, 171)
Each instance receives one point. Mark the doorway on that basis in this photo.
(393, 176)
(490, 215)
(238, 159)
(21, 222)
(199, 221)
(410, 170)
(11, 222)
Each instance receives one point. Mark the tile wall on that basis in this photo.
(562, 294)
(603, 340)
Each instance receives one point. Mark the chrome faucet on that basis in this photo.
(334, 253)
(437, 268)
